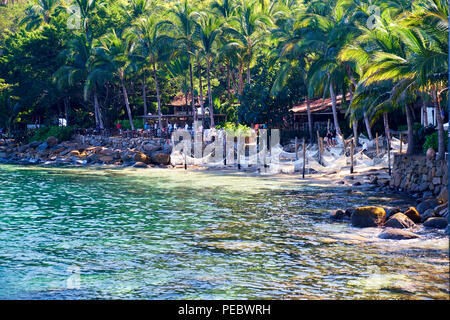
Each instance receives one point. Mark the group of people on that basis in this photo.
(330, 138)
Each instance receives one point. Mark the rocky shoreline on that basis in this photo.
(400, 223)
(88, 150)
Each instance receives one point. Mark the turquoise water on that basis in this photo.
(172, 234)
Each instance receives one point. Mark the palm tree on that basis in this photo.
(76, 72)
(41, 12)
(247, 30)
(208, 29)
(154, 48)
(185, 26)
(113, 57)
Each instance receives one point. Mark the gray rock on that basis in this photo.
(427, 204)
(140, 165)
(339, 215)
(400, 221)
(42, 146)
(397, 234)
(34, 144)
(427, 214)
(436, 223)
(391, 212)
(427, 194)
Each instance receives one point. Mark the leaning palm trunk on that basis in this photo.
(441, 132)
(424, 112)
(333, 106)
(66, 109)
(310, 123)
(211, 108)
(158, 98)
(98, 114)
(127, 104)
(368, 129)
(409, 122)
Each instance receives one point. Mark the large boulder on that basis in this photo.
(391, 212)
(52, 141)
(400, 221)
(106, 159)
(431, 154)
(42, 146)
(141, 157)
(427, 204)
(412, 214)
(397, 234)
(160, 158)
(436, 223)
(364, 217)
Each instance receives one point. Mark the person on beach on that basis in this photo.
(329, 138)
(118, 126)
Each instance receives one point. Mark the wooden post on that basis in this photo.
(296, 148)
(401, 141)
(389, 154)
(378, 146)
(351, 154)
(318, 145)
(304, 158)
(185, 159)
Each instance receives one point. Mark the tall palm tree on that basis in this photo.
(113, 57)
(185, 24)
(248, 31)
(208, 29)
(153, 47)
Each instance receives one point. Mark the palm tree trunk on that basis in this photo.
(409, 122)
(202, 107)
(310, 123)
(66, 109)
(158, 98)
(98, 113)
(211, 108)
(229, 81)
(386, 125)
(441, 132)
(127, 104)
(424, 112)
(333, 106)
(192, 93)
(144, 95)
(368, 128)
(248, 69)
(355, 132)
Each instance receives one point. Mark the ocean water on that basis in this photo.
(90, 233)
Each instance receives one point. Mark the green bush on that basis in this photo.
(62, 133)
(125, 124)
(231, 128)
(431, 141)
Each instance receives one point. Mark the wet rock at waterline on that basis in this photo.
(436, 223)
(427, 204)
(426, 215)
(364, 217)
(140, 165)
(412, 214)
(339, 215)
(397, 234)
(400, 221)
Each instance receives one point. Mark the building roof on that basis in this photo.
(180, 100)
(319, 105)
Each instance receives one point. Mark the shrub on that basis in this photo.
(431, 141)
(125, 124)
(62, 133)
(231, 128)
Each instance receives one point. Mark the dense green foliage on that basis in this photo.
(431, 141)
(61, 133)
